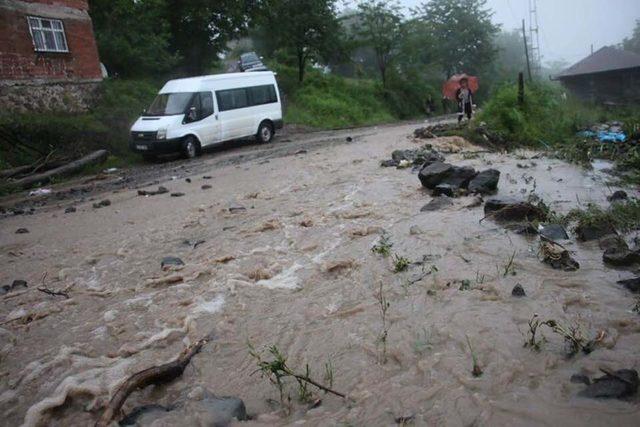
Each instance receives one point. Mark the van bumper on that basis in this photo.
(157, 146)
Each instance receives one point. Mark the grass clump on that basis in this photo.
(384, 305)
(277, 370)
(383, 247)
(621, 216)
(400, 263)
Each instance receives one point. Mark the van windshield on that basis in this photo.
(169, 104)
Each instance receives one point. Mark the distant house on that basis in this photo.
(609, 75)
(48, 55)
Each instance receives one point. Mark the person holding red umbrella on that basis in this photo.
(464, 96)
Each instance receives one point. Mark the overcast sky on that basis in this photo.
(568, 27)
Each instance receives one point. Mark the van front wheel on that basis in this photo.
(189, 147)
(265, 133)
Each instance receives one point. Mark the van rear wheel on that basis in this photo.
(190, 147)
(265, 133)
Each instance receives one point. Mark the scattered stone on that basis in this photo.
(420, 157)
(617, 196)
(518, 291)
(495, 204)
(631, 284)
(206, 187)
(444, 173)
(554, 232)
(615, 385)
(224, 259)
(613, 241)
(474, 202)
(389, 163)
(160, 190)
(188, 180)
(170, 261)
(423, 133)
(340, 266)
(204, 406)
(437, 203)
(177, 194)
(580, 379)
(349, 139)
(300, 152)
(237, 209)
(587, 232)
(414, 230)
(445, 190)
(102, 204)
(22, 231)
(621, 257)
(70, 209)
(306, 222)
(513, 212)
(486, 182)
(525, 228)
(206, 177)
(13, 286)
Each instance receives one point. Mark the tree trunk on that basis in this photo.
(301, 63)
(95, 157)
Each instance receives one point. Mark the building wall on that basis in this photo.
(619, 87)
(29, 79)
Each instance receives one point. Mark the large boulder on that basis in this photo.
(485, 182)
(444, 173)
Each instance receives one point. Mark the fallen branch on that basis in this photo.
(154, 375)
(53, 293)
(95, 157)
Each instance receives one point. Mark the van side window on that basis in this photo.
(265, 94)
(206, 103)
(232, 99)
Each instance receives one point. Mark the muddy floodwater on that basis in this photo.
(278, 251)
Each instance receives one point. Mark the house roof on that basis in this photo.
(606, 59)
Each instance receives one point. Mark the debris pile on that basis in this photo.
(424, 155)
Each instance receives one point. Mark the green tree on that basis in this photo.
(632, 43)
(464, 33)
(132, 36)
(306, 29)
(382, 29)
(201, 29)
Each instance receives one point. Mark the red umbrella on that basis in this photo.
(451, 86)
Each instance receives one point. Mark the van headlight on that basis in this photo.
(162, 134)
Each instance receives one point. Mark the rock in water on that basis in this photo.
(554, 232)
(485, 182)
(13, 286)
(22, 231)
(617, 196)
(493, 205)
(437, 203)
(631, 284)
(587, 232)
(518, 291)
(443, 173)
(445, 190)
(620, 257)
(70, 209)
(170, 261)
(617, 385)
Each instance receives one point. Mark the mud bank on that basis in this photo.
(279, 252)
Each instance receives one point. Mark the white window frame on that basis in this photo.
(39, 30)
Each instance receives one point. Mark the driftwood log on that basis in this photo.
(93, 158)
(154, 375)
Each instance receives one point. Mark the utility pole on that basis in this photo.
(526, 50)
(534, 36)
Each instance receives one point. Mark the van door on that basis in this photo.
(236, 119)
(201, 120)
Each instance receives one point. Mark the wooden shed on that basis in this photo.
(610, 76)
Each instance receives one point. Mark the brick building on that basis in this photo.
(48, 55)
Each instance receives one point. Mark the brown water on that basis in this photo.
(281, 288)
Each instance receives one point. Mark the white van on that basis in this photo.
(190, 114)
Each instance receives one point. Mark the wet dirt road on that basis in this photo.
(278, 251)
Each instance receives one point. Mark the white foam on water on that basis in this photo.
(287, 279)
(210, 307)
